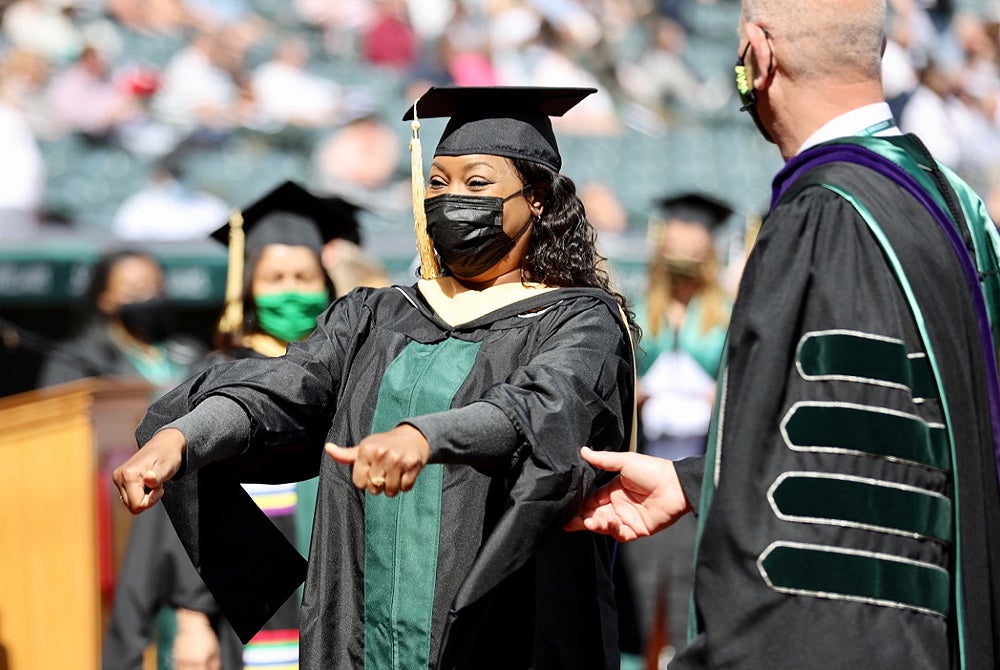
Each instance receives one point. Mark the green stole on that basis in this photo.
(402, 533)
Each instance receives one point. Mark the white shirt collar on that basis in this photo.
(855, 122)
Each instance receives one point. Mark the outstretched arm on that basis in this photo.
(216, 429)
(644, 498)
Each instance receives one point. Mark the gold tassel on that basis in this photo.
(429, 268)
(232, 317)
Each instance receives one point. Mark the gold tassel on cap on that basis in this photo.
(232, 317)
(429, 268)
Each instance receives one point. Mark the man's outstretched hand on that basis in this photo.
(140, 479)
(644, 498)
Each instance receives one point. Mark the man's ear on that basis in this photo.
(762, 54)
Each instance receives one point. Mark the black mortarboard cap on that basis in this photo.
(509, 121)
(696, 208)
(289, 214)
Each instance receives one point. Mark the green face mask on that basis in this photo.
(290, 316)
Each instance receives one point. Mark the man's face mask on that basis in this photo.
(748, 96)
(290, 316)
(150, 320)
(467, 231)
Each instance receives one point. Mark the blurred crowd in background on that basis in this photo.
(152, 118)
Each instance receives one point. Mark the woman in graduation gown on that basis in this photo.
(467, 394)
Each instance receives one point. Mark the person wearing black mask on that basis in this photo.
(452, 411)
(128, 328)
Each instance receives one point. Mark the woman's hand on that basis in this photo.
(385, 462)
(140, 478)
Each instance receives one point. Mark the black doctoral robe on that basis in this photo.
(850, 516)
(470, 569)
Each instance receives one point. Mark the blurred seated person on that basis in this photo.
(277, 288)
(661, 78)
(390, 41)
(84, 98)
(684, 320)
(44, 27)
(358, 162)
(168, 207)
(287, 94)
(128, 328)
(200, 96)
(22, 175)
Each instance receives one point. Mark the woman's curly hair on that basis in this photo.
(563, 247)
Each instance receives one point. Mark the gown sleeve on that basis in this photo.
(816, 274)
(576, 390)
(289, 402)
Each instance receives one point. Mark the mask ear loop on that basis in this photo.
(429, 268)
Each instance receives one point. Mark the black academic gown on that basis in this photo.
(489, 580)
(839, 529)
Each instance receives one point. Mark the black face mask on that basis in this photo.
(467, 231)
(150, 320)
(748, 96)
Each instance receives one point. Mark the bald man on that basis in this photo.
(848, 505)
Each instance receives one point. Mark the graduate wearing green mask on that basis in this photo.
(278, 286)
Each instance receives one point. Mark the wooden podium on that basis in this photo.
(62, 528)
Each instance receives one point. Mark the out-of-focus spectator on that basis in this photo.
(358, 163)
(85, 98)
(198, 92)
(464, 53)
(22, 174)
(512, 26)
(342, 23)
(660, 79)
(390, 40)
(24, 76)
(899, 72)
(45, 27)
(128, 328)
(554, 61)
(287, 94)
(169, 208)
(930, 114)
(684, 319)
